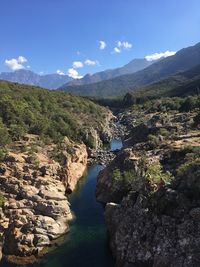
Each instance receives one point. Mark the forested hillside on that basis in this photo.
(50, 114)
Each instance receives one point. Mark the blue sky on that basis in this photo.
(51, 35)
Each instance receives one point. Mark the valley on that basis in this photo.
(86, 243)
(105, 178)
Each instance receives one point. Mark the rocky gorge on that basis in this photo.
(150, 189)
(36, 180)
(151, 192)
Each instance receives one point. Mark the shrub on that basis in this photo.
(16, 131)
(197, 120)
(4, 136)
(164, 132)
(154, 140)
(189, 177)
(90, 141)
(2, 200)
(155, 175)
(124, 179)
(3, 153)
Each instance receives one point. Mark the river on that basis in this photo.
(86, 244)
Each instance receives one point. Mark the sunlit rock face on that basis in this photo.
(35, 209)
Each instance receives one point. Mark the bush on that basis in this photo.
(4, 136)
(124, 179)
(197, 120)
(189, 178)
(2, 200)
(155, 175)
(164, 132)
(3, 153)
(154, 140)
(16, 131)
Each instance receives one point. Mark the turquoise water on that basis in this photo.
(86, 244)
(116, 144)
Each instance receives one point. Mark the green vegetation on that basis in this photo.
(165, 104)
(182, 70)
(59, 152)
(197, 120)
(164, 132)
(124, 177)
(2, 200)
(151, 173)
(154, 140)
(155, 175)
(3, 153)
(4, 136)
(50, 114)
(189, 175)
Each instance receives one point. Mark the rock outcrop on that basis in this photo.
(109, 191)
(160, 230)
(155, 221)
(34, 207)
(75, 164)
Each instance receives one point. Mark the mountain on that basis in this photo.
(180, 85)
(50, 81)
(183, 60)
(133, 66)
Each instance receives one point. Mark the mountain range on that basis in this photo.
(54, 81)
(183, 60)
(132, 67)
(49, 81)
(136, 75)
(182, 84)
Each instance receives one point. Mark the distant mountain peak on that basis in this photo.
(133, 66)
(183, 60)
(24, 76)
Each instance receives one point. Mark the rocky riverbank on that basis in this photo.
(151, 192)
(105, 155)
(35, 209)
(35, 179)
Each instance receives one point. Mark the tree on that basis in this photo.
(4, 136)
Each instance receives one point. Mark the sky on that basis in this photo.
(86, 36)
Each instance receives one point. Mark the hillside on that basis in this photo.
(50, 81)
(151, 189)
(50, 114)
(132, 67)
(182, 61)
(182, 84)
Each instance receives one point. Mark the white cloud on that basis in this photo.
(157, 56)
(16, 63)
(117, 50)
(60, 72)
(127, 45)
(119, 43)
(22, 59)
(124, 45)
(102, 45)
(77, 64)
(74, 74)
(91, 62)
